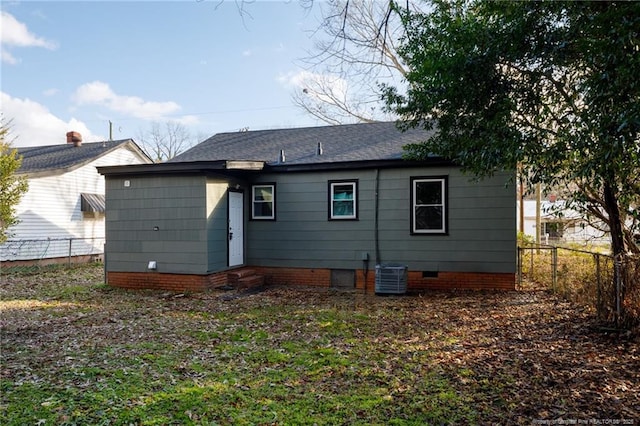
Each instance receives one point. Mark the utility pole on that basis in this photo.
(110, 130)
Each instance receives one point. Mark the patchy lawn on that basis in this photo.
(77, 352)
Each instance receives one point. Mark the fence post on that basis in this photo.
(554, 269)
(69, 258)
(617, 271)
(531, 268)
(519, 263)
(598, 284)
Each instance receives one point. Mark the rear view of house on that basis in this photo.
(320, 206)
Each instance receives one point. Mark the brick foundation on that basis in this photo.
(312, 277)
(296, 276)
(416, 283)
(462, 281)
(169, 282)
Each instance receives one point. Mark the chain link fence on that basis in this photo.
(611, 288)
(27, 254)
(630, 286)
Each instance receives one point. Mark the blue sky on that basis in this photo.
(78, 65)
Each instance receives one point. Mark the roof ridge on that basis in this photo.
(286, 129)
(60, 145)
(338, 143)
(66, 157)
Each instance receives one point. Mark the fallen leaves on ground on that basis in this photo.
(506, 357)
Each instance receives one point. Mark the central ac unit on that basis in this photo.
(391, 278)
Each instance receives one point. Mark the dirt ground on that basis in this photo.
(517, 357)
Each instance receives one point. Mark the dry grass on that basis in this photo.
(77, 352)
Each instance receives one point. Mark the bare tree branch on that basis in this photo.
(162, 142)
(356, 51)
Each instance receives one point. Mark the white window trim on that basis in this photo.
(443, 188)
(354, 185)
(273, 202)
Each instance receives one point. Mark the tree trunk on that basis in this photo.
(617, 245)
(615, 223)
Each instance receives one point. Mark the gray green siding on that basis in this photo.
(176, 206)
(481, 224)
(190, 213)
(217, 209)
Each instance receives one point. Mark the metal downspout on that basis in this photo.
(376, 216)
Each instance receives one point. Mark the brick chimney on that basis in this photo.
(75, 138)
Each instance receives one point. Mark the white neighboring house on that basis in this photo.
(62, 214)
(560, 224)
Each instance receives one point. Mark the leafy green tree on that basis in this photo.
(12, 187)
(552, 86)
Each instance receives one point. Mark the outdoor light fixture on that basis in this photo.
(152, 266)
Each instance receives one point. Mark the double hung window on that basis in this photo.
(343, 202)
(263, 202)
(429, 209)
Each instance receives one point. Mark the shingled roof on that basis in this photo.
(343, 143)
(62, 158)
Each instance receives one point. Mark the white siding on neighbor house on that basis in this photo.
(50, 212)
(575, 228)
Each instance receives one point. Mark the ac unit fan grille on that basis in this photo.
(391, 279)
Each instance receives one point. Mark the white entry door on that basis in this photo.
(236, 228)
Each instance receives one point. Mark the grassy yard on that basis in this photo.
(77, 352)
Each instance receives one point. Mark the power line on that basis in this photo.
(129, 118)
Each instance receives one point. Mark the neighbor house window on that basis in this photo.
(554, 230)
(343, 203)
(429, 208)
(263, 202)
